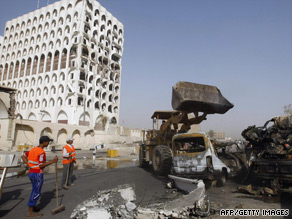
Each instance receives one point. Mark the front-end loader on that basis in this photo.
(191, 102)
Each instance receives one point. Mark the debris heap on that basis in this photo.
(273, 140)
(113, 203)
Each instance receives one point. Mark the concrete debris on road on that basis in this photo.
(195, 203)
(113, 203)
(118, 203)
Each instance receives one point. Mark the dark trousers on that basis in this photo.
(37, 182)
(65, 172)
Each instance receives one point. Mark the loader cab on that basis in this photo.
(163, 128)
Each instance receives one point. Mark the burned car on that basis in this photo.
(232, 153)
(269, 151)
(195, 157)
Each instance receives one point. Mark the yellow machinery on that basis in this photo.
(191, 102)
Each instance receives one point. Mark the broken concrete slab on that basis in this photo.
(185, 184)
(195, 203)
(114, 203)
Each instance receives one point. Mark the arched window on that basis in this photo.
(55, 13)
(35, 64)
(61, 89)
(23, 106)
(53, 90)
(40, 29)
(31, 93)
(62, 76)
(56, 60)
(22, 68)
(49, 62)
(61, 21)
(52, 102)
(1, 71)
(40, 81)
(10, 71)
(16, 70)
(38, 38)
(38, 92)
(44, 103)
(44, 47)
(59, 33)
(42, 64)
(37, 104)
(48, 16)
(46, 91)
(35, 21)
(28, 67)
(68, 19)
(30, 104)
(47, 26)
(96, 105)
(60, 101)
(63, 59)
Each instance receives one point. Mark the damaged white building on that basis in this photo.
(65, 62)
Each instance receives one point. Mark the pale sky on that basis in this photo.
(243, 47)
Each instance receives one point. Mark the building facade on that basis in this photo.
(65, 61)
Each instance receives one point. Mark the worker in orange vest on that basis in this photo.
(69, 158)
(36, 161)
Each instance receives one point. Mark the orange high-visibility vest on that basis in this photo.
(33, 157)
(67, 160)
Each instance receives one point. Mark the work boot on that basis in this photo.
(65, 187)
(34, 214)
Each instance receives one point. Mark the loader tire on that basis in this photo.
(161, 160)
(142, 155)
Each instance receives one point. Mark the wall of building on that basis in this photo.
(28, 132)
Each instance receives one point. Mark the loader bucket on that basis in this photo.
(192, 97)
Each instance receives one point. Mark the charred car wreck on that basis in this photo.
(269, 151)
(232, 153)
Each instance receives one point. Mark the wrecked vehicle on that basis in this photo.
(232, 153)
(195, 157)
(269, 151)
(191, 103)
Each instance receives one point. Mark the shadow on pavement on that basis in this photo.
(9, 201)
(46, 198)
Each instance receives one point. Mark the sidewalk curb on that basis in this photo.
(119, 159)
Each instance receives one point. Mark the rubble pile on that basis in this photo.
(274, 140)
(118, 203)
(113, 203)
(183, 208)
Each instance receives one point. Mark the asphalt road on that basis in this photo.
(149, 189)
(88, 182)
